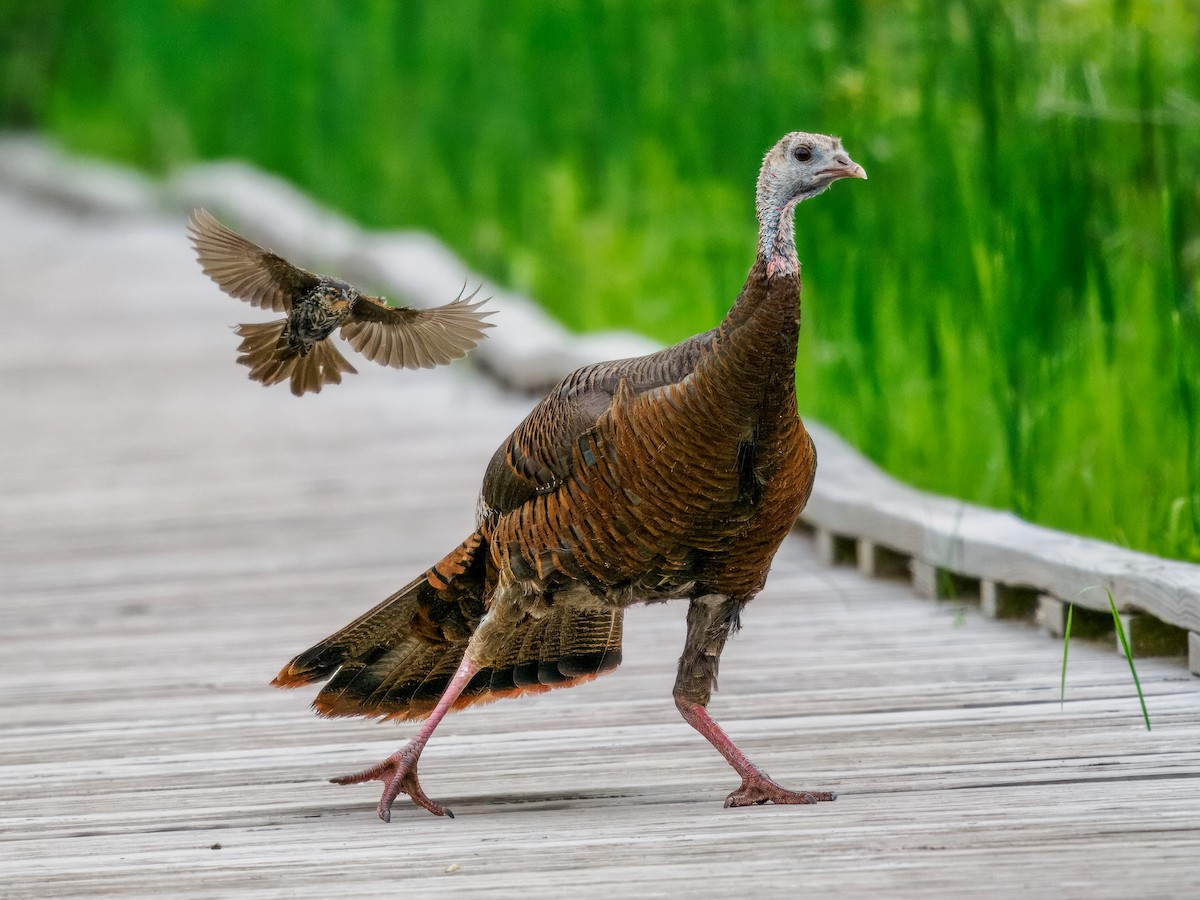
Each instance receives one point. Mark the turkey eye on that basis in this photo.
(803, 154)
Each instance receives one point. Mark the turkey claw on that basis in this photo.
(399, 775)
(759, 789)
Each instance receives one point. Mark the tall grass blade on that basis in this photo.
(1112, 604)
(1062, 687)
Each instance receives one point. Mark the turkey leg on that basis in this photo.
(399, 771)
(757, 785)
(711, 620)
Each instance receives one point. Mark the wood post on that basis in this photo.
(1149, 636)
(835, 549)
(1085, 623)
(879, 561)
(1004, 601)
(936, 583)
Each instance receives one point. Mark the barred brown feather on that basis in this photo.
(672, 475)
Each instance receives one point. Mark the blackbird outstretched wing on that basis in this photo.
(243, 269)
(406, 338)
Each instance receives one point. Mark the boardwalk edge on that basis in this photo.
(859, 515)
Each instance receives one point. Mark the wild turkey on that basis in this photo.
(673, 475)
(298, 347)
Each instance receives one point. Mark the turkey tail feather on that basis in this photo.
(404, 682)
(381, 630)
(394, 661)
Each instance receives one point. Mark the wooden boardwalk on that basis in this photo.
(172, 533)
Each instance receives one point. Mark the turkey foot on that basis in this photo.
(758, 787)
(399, 771)
(399, 775)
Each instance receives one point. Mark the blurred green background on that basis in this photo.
(1007, 311)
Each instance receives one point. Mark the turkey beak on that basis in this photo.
(844, 167)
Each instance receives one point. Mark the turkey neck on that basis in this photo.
(776, 231)
(756, 343)
(759, 335)
(761, 331)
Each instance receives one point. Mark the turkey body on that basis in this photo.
(669, 476)
(672, 475)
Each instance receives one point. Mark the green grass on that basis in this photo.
(1128, 651)
(1007, 310)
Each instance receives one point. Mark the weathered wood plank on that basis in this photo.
(171, 534)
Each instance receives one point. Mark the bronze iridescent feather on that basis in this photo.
(670, 476)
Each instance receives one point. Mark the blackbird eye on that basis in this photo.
(803, 154)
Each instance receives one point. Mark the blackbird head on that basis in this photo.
(335, 293)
